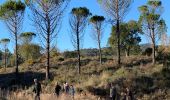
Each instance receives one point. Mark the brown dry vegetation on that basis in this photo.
(23, 95)
(146, 81)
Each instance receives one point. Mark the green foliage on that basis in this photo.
(155, 3)
(5, 41)
(162, 78)
(97, 24)
(148, 52)
(143, 83)
(54, 52)
(162, 27)
(150, 18)
(108, 51)
(153, 17)
(70, 54)
(113, 38)
(10, 8)
(30, 51)
(95, 19)
(60, 59)
(143, 9)
(81, 11)
(12, 60)
(27, 37)
(129, 35)
(152, 24)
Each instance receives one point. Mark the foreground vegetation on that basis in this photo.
(147, 81)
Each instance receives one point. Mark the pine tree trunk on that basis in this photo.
(79, 63)
(118, 42)
(48, 59)
(153, 48)
(5, 59)
(118, 32)
(48, 48)
(100, 53)
(16, 55)
(78, 49)
(127, 51)
(153, 54)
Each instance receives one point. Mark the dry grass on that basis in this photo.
(158, 95)
(25, 96)
(93, 76)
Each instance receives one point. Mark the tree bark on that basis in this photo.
(99, 44)
(153, 48)
(5, 58)
(78, 49)
(127, 51)
(16, 55)
(153, 54)
(118, 43)
(100, 52)
(48, 60)
(118, 32)
(48, 49)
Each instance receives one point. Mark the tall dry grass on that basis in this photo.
(23, 95)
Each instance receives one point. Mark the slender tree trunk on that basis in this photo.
(5, 59)
(118, 42)
(78, 52)
(118, 32)
(100, 52)
(78, 49)
(48, 49)
(153, 53)
(99, 44)
(16, 47)
(48, 59)
(153, 48)
(127, 51)
(16, 55)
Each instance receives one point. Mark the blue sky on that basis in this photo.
(63, 38)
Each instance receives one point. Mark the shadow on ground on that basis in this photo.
(25, 79)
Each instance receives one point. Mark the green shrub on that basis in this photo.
(79, 90)
(148, 52)
(143, 83)
(60, 58)
(70, 54)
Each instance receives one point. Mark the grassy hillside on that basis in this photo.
(146, 81)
